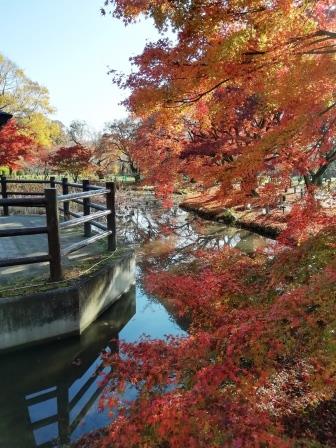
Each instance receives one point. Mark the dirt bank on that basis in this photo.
(255, 220)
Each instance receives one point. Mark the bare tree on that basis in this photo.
(79, 133)
(116, 147)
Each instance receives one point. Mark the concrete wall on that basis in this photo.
(99, 291)
(54, 314)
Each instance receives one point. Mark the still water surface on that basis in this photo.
(49, 394)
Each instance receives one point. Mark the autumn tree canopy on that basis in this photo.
(29, 102)
(116, 147)
(15, 145)
(74, 160)
(241, 89)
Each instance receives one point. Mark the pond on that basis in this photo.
(50, 394)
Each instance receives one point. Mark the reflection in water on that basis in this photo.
(141, 219)
(47, 392)
(50, 394)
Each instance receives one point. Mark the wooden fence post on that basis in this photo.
(54, 244)
(66, 204)
(86, 208)
(4, 194)
(52, 182)
(111, 218)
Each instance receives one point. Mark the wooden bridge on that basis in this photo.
(55, 203)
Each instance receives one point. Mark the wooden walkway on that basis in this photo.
(55, 225)
(22, 246)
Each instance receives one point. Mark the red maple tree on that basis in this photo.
(74, 160)
(243, 89)
(246, 88)
(15, 145)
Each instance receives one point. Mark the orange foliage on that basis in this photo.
(246, 88)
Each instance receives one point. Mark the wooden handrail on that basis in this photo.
(74, 214)
(83, 219)
(92, 205)
(97, 206)
(24, 231)
(76, 246)
(23, 181)
(93, 223)
(51, 201)
(85, 194)
(92, 187)
(6, 262)
(24, 202)
(95, 187)
(98, 225)
(24, 193)
(75, 185)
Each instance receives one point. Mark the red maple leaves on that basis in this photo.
(255, 354)
(73, 159)
(15, 145)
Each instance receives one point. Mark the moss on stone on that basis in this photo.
(71, 275)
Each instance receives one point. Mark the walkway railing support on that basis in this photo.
(86, 208)
(66, 205)
(4, 194)
(111, 218)
(54, 244)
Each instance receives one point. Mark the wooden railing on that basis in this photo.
(51, 201)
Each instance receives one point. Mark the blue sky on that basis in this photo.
(68, 46)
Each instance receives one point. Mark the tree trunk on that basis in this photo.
(307, 180)
(135, 171)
